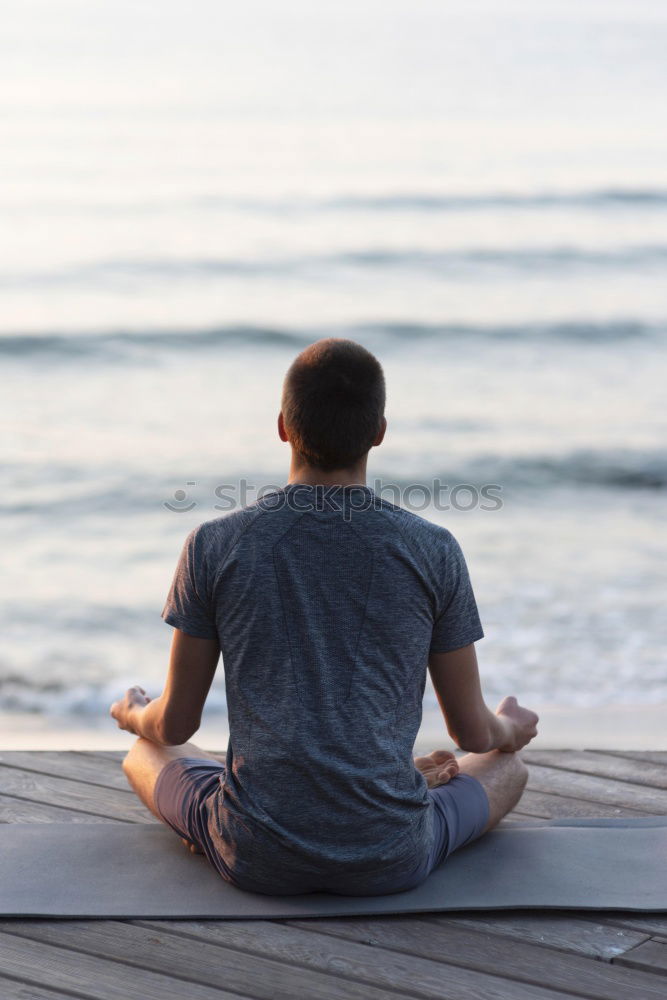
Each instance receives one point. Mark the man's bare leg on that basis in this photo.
(143, 764)
(503, 777)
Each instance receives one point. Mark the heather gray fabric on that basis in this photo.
(111, 870)
(325, 602)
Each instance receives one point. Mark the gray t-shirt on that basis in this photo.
(326, 602)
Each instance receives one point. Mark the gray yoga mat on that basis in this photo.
(113, 870)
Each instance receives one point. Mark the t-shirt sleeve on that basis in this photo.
(188, 605)
(458, 623)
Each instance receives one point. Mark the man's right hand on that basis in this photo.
(520, 724)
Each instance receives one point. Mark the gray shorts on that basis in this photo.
(460, 812)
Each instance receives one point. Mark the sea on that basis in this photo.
(192, 193)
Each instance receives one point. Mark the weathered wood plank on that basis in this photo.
(70, 786)
(108, 802)
(13, 810)
(68, 764)
(586, 762)
(484, 952)
(13, 989)
(649, 756)
(562, 933)
(533, 803)
(116, 755)
(597, 790)
(647, 923)
(650, 957)
(103, 768)
(365, 958)
(45, 965)
(548, 805)
(208, 963)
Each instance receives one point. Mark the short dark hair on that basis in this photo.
(333, 403)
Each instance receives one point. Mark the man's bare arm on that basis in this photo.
(470, 723)
(175, 716)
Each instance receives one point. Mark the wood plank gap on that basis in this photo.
(79, 781)
(321, 975)
(607, 918)
(483, 982)
(48, 994)
(594, 774)
(590, 815)
(103, 973)
(594, 802)
(257, 951)
(108, 755)
(649, 957)
(652, 923)
(84, 812)
(72, 949)
(557, 930)
(657, 757)
(587, 976)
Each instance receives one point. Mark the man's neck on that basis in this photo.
(310, 476)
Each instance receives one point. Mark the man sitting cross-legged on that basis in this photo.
(329, 604)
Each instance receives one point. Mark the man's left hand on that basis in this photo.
(438, 767)
(124, 710)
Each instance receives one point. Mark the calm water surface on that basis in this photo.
(477, 194)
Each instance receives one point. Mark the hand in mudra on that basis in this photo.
(438, 767)
(134, 698)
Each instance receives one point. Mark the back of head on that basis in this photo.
(333, 403)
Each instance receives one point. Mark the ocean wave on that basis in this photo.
(127, 272)
(68, 696)
(423, 202)
(438, 201)
(405, 201)
(123, 344)
(516, 476)
(623, 469)
(71, 659)
(72, 704)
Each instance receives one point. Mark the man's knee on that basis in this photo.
(133, 755)
(521, 771)
(517, 774)
(129, 765)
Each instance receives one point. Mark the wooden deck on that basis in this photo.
(507, 956)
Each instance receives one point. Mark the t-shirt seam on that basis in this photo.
(200, 532)
(363, 617)
(416, 555)
(256, 514)
(290, 644)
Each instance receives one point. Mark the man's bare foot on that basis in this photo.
(193, 848)
(438, 767)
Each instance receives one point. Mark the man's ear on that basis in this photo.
(282, 433)
(383, 427)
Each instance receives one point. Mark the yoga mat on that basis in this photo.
(113, 870)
